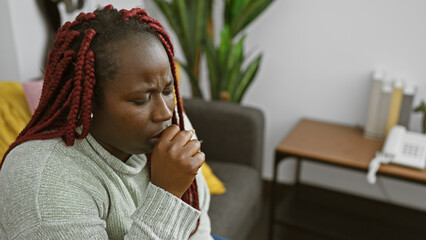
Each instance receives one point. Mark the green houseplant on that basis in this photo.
(422, 108)
(189, 20)
(229, 72)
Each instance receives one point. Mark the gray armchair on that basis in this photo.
(233, 143)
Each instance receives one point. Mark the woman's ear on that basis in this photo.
(96, 98)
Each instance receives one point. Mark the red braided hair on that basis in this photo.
(69, 86)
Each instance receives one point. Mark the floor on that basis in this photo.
(260, 232)
(363, 219)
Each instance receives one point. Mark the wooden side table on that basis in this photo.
(336, 145)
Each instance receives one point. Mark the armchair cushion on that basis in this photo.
(240, 204)
(231, 132)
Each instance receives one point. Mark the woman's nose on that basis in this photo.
(161, 111)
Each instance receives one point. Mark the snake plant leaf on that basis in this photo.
(421, 107)
(201, 23)
(192, 79)
(246, 79)
(227, 13)
(237, 7)
(224, 52)
(214, 70)
(192, 22)
(170, 10)
(224, 45)
(236, 53)
(236, 59)
(184, 21)
(233, 8)
(191, 10)
(248, 14)
(233, 78)
(166, 9)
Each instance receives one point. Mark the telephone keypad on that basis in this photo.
(412, 150)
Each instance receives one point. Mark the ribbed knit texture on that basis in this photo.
(51, 191)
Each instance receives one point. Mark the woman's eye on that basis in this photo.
(140, 102)
(167, 91)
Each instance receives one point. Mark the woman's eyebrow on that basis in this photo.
(169, 82)
(151, 88)
(139, 91)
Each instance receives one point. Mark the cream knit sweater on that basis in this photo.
(51, 191)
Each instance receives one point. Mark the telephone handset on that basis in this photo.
(401, 147)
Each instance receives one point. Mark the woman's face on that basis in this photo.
(137, 102)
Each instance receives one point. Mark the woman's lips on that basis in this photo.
(155, 138)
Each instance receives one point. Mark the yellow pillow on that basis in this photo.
(215, 185)
(14, 113)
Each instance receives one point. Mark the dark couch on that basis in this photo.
(233, 143)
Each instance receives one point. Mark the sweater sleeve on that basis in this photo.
(204, 229)
(161, 216)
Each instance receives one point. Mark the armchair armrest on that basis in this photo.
(230, 132)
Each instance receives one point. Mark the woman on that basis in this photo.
(105, 156)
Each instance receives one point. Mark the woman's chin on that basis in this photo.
(147, 148)
(153, 140)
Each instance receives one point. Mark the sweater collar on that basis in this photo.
(132, 166)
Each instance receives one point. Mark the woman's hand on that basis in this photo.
(175, 160)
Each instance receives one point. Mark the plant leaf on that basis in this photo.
(192, 79)
(200, 23)
(236, 53)
(235, 62)
(246, 79)
(225, 42)
(248, 14)
(214, 72)
(227, 11)
(184, 21)
(166, 9)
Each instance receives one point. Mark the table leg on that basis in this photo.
(277, 160)
(298, 169)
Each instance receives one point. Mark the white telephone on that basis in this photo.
(401, 147)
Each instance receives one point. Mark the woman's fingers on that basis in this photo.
(197, 160)
(193, 146)
(175, 135)
(170, 132)
(183, 137)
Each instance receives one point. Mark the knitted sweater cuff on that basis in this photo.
(167, 216)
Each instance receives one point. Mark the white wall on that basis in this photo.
(318, 56)
(29, 32)
(8, 57)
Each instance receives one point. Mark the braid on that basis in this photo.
(70, 79)
(175, 83)
(76, 103)
(88, 86)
